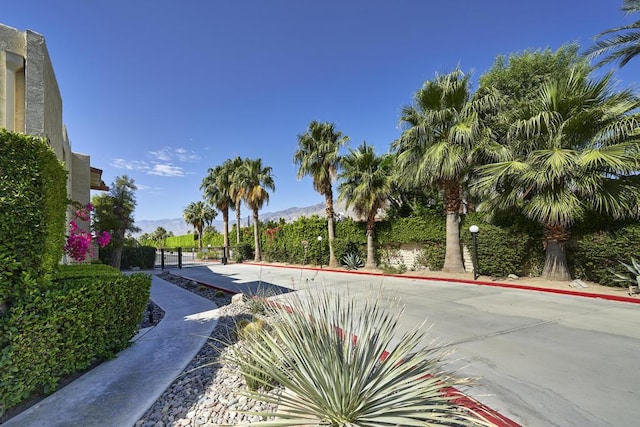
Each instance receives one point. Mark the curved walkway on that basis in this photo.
(119, 391)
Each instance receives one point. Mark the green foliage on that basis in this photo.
(501, 250)
(113, 213)
(634, 280)
(143, 257)
(33, 201)
(242, 252)
(332, 380)
(594, 254)
(184, 241)
(412, 230)
(59, 329)
(352, 261)
(81, 271)
(432, 256)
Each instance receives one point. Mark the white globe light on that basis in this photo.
(474, 229)
(319, 238)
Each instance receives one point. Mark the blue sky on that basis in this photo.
(162, 90)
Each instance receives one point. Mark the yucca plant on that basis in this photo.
(634, 280)
(331, 378)
(352, 261)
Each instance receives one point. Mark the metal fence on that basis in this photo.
(185, 257)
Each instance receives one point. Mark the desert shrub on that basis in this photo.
(352, 261)
(333, 379)
(242, 252)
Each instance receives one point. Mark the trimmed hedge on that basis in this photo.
(591, 254)
(63, 328)
(501, 250)
(143, 257)
(33, 202)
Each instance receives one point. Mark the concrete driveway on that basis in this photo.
(541, 359)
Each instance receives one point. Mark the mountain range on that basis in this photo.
(179, 227)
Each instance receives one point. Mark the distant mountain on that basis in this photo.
(178, 226)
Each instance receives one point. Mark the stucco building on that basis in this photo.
(30, 103)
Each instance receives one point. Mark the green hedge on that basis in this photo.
(33, 201)
(61, 329)
(501, 250)
(79, 271)
(184, 241)
(592, 254)
(132, 256)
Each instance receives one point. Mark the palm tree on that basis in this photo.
(216, 187)
(624, 45)
(256, 180)
(199, 214)
(236, 190)
(441, 137)
(575, 150)
(365, 184)
(318, 156)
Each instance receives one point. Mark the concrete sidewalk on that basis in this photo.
(118, 392)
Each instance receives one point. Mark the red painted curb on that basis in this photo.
(458, 397)
(469, 282)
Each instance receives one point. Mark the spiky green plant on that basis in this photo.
(330, 378)
(352, 261)
(634, 280)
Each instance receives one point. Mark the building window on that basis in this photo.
(14, 91)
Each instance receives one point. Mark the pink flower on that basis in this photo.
(104, 239)
(79, 242)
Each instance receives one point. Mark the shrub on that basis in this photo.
(132, 256)
(352, 261)
(59, 329)
(330, 379)
(501, 250)
(594, 253)
(242, 251)
(432, 255)
(33, 202)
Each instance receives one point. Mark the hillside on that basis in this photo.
(179, 227)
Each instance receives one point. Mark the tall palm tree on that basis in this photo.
(198, 215)
(216, 187)
(365, 184)
(256, 180)
(574, 150)
(441, 137)
(620, 47)
(318, 156)
(236, 189)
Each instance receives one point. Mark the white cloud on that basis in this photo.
(163, 154)
(166, 170)
(167, 154)
(131, 165)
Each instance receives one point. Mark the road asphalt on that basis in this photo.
(541, 359)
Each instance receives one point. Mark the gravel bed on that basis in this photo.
(206, 393)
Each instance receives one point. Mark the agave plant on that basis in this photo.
(330, 377)
(352, 261)
(634, 280)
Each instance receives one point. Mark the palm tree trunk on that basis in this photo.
(256, 237)
(238, 222)
(371, 253)
(453, 253)
(333, 262)
(555, 263)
